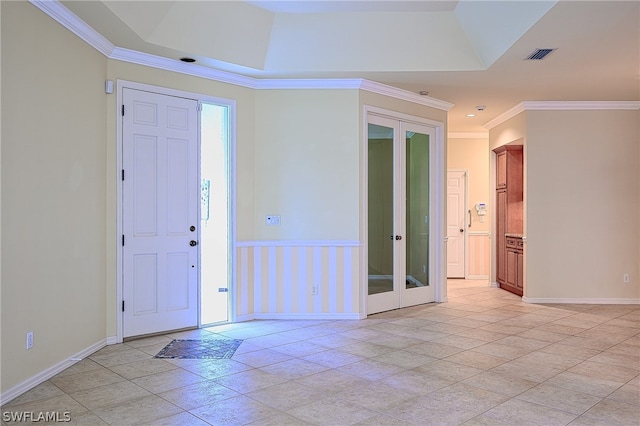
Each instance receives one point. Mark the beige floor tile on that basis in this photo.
(376, 396)
(604, 371)
(485, 336)
(501, 351)
(370, 369)
(250, 380)
(103, 396)
(333, 359)
(330, 381)
(524, 370)
(45, 390)
(261, 357)
(522, 342)
(197, 395)
(286, 396)
(280, 419)
(214, 368)
(334, 340)
(518, 412)
(332, 411)
(404, 359)
(300, 349)
(613, 412)
(383, 420)
(366, 349)
(80, 367)
(500, 383)
(271, 340)
(148, 341)
(294, 369)
(87, 380)
(434, 350)
(476, 360)
(570, 351)
(167, 380)
(142, 368)
(180, 419)
(585, 384)
(60, 404)
(628, 393)
(239, 410)
(619, 360)
(86, 419)
(414, 382)
(142, 410)
(449, 370)
(459, 341)
(559, 398)
(120, 357)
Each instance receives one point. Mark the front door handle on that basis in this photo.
(398, 237)
(193, 243)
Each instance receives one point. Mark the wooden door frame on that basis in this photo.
(120, 86)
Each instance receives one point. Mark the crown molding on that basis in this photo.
(73, 23)
(159, 62)
(70, 21)
(394, 92)
(561, 106)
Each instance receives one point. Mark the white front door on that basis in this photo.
(160, 212)
(456, 223)
(400, 262)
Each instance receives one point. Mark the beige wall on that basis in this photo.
(473, 155)
(582, 204)
(306, 154)
(53, 193)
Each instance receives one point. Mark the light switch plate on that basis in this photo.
(272, 220)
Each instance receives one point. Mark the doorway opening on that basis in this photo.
(215, 241)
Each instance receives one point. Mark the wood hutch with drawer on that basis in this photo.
(509, 222)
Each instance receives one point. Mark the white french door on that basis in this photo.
(399, 172)
(160, 202)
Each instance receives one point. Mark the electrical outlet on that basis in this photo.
(314, 290)
(272, 220)
(29, 339)
(625, 278)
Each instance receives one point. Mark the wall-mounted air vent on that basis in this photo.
(539, 54)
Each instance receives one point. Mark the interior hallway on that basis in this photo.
(483, 358)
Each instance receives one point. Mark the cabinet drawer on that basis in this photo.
(515, 243)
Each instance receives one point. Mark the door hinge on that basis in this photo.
(123, 110)
(122, 174)
(122, 240)
(123, 306)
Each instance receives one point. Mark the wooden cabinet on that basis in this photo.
(509, 200)
(514, 264)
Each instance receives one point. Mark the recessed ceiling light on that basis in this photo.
(186, 59)
(471, 115)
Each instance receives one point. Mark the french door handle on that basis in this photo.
(398, 237)
(193, 243)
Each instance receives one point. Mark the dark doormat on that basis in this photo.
(200, 349)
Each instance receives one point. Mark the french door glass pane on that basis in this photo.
(417, 210)
(380, 192)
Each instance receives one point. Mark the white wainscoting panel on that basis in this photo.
(297, 279)
(479, 255)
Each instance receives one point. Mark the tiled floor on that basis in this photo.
(483, 358)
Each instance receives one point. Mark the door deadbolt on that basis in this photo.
(461, 230)
(193, 243)
(192, 228)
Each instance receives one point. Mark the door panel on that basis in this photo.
(160, 203)
(456, 223)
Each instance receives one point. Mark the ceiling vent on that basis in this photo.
(539, 54)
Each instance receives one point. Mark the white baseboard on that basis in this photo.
(112, 340)
(45, 375)
(582, 301)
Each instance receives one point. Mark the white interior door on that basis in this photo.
(400, 268)
(160, 212)
(456, 223)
